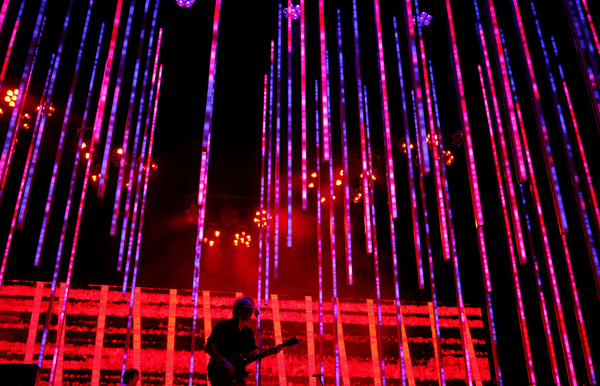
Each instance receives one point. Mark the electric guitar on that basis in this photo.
(239, 364)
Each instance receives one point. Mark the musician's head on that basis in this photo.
(131, 377)
(243, 308)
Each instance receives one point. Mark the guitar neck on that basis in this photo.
(266, 353)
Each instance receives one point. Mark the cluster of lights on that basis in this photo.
(26, 119)
(425, 18)
(261, 220)
(211, 240)
(185, 3)
(50, 109)
(11, 97)
(357, 197)
(437, 141)
(242, 239)
(448, 157)
(404, 147)
(294, 11)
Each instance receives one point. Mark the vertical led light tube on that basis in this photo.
(210, 92)
(324, 102)
(106, 78)
(135, 149)
(115, 102)
(542, 297)
(414, 217)
(13, 224)
(278, 155)
(422, 149)
(289, 129)
(541, 122)
(591, 23)
(589, 186)
(520, 244)
(61, 139)
(508, 233)
(319, 235)
(13, 126)
(11, 41)
(127, 130)
(3, 13)
(36, 142)
(549, 264)
(419, 257)
(473, 181)
(303, 103)
(332, 247)
(391, 180)
(346, 179)
(262, 202)
(363, 146)
(506, 92)
(375, 249)
(409, 164)
(140, 168)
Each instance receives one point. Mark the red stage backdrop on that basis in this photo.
(96, 328)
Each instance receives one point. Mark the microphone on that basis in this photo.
(256, 313)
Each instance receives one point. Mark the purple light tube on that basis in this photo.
(582, 209)
(411, 177)
(204, 169)
(582, 332)
(61, 140)
(278, 155)
(374, 236)
(347, 223)
(542, 298)
(414, 69)
(36, 141)
(473, 181)
(507, 170)
(303, 103)
(506, 93)
(106, 77)
(146, 179)
(115, 100)
(419, 256)
(13, 127)
(494, 340)
(3, 13)
(319, 234)
(11, 41)
(589, 187)
(324, 101)
(141, 165)
(391, 180)
(363, 145)
(125, 145)
(508, 233)
(537, 105)
(289, 133)
(135, 150)
(267, 190)
(549, 263)
(591, 23)
(437, 152)
(398, 302)
(262, 187)
(69, 204)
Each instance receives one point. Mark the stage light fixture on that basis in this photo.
(120, 151)
(294, 11)
(425, 18)
(338, 182)
(311, 185)
(211, 243)
(314, 175)
(217, 233)
(185, 3)
(322, 199)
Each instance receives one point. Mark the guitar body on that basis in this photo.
(218, 376)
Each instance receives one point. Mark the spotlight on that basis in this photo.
(425, 18)
(311, 185)
(120, 151)
(338, 182)
(217, 233)
(322, 199)
(314, 175)
(185, 3)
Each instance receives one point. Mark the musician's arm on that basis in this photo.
(211, 349)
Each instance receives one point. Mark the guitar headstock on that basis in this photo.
(290, 342)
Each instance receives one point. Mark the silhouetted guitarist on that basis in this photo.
(231, 346)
